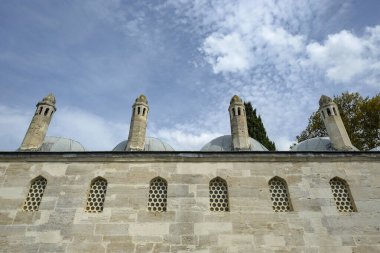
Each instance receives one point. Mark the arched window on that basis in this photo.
(40, 110)
(36, 191)
(46, 111)
(334, 111)
(342, 195)
(233, 112)
(96, 196)
(328, 112)
(218, 195)
(144, 110)
(279, 195)
(158, 194)
(239, 111)
(138, 110)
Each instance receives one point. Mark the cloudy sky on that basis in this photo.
(188, 57)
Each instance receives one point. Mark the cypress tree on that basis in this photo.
(256, 129)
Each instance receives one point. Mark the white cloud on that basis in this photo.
(91, 130)
(345, 57)
(227, 53)
(185, 140)
(283, 143)
(280, 39)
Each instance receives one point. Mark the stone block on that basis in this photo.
(111, 229)
(149, 229)
(182, 229)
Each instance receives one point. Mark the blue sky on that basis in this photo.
(188, 57)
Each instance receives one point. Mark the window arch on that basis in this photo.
(218, 195)
(279, 195)
(36, 191)
(342, 195)
(233, 112)
(158, 194)
(96, 195)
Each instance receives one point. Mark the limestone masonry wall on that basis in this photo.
(125, 225)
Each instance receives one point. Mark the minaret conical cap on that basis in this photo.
(236, 99)
(324, 100)
(49, 99)
(142, 98)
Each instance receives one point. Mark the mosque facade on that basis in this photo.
(232, 196)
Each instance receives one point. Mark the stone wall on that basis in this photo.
(125, 225)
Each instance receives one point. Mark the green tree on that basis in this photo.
(361, 117)
(256, 128)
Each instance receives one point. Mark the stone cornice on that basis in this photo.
(189, 156)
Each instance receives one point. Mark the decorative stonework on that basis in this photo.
(218, 195)
(96, 196)
(35, 194)
(279, 195)
(342, 195)
(158, 192)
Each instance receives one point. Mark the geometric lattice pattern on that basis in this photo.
(342, 195)
(97, 195)
(158, 192)
(218, 195)
(35, 194)
(279, 195)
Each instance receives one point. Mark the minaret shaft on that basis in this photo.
(137, 129)
(239, 128)
(334, 125)
(39, 125)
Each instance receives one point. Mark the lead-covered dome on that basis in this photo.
(314, 144)
(224, 143)
(60, 144)
(151, 144)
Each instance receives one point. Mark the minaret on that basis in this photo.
(334, 125)
(239, 128)
(39, 125)
(137, 129)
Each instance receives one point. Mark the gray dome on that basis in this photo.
(151, 144)
(224, 143)
(60, 144)
(375, 149)
(314, 144)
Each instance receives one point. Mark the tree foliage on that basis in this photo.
(361, 117)
(256, 128)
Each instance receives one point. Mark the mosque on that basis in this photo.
(231, 196)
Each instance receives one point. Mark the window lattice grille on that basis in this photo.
(218, 195)
(342, 195)
(96, 197)
(279, 195)
(34, 197)
(158, 192)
